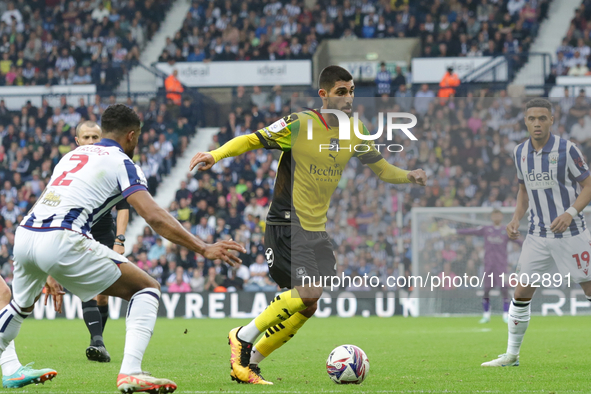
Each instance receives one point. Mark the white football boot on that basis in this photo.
(504, 360)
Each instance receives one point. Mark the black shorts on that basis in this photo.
(293, 253)
(107, 238)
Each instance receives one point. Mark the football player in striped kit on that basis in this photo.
(555, 184)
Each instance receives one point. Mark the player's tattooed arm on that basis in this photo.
(168, 227)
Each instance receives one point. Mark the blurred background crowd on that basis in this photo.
(464, 144)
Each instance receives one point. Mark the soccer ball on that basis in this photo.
(347, 364)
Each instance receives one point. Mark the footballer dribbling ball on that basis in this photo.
(347, 364)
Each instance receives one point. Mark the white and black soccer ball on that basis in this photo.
(347, 364)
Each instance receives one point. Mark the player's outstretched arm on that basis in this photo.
(562, 222)
(520, 210)
(392, 174)
(168, 227)
(234, 147)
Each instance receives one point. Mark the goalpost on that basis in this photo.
(434, 251)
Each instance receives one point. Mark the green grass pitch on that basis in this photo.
(407, 355)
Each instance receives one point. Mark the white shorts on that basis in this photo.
(80, 264)
(570, 255)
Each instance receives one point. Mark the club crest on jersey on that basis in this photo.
(270, 256)
(553, 158)
(334, 144)
(52, 199)
(522, 158)
(300, 272)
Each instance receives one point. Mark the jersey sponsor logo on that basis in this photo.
(327, 174)
(270, 256)
(52, 199)
(540, 180)
(277, 126)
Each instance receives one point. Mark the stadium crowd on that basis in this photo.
(278, 30)
(34, 139)
(465, 145)
(57, 42)
(573, 57)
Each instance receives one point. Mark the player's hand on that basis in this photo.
(55, 290)
(418, 177)
(561, 223)
(513, 229)
(202, 157)
(223, 250)
(119, 249)
(446, 231)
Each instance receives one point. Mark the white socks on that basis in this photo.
(141, 318)
(486, 315)
(256, 356)
(519, 314)
(249, 332)
(11, 318)
(9, 360)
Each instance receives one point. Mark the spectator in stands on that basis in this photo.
(241, 100)
(448, 84)
(404, 98)
(399, 79)
(179, 285)
(174, 88)
(259, 98)
(259, 276)
(383, 80)
(423, 98)
(578, 69)
(581, 131)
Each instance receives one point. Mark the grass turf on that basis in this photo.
(419, 355)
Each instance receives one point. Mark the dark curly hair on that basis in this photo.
(539, 103)
(119, 119)
(331, 74)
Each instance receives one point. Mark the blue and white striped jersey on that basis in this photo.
(85, 184)
(551, 178)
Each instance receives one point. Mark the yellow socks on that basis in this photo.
(279, 334)
(284, 306)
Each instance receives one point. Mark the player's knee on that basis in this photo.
(309, 311)
(154, 284)
(5, 296)
(310, 295)
(102, 300)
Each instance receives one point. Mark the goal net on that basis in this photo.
(438, 251)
